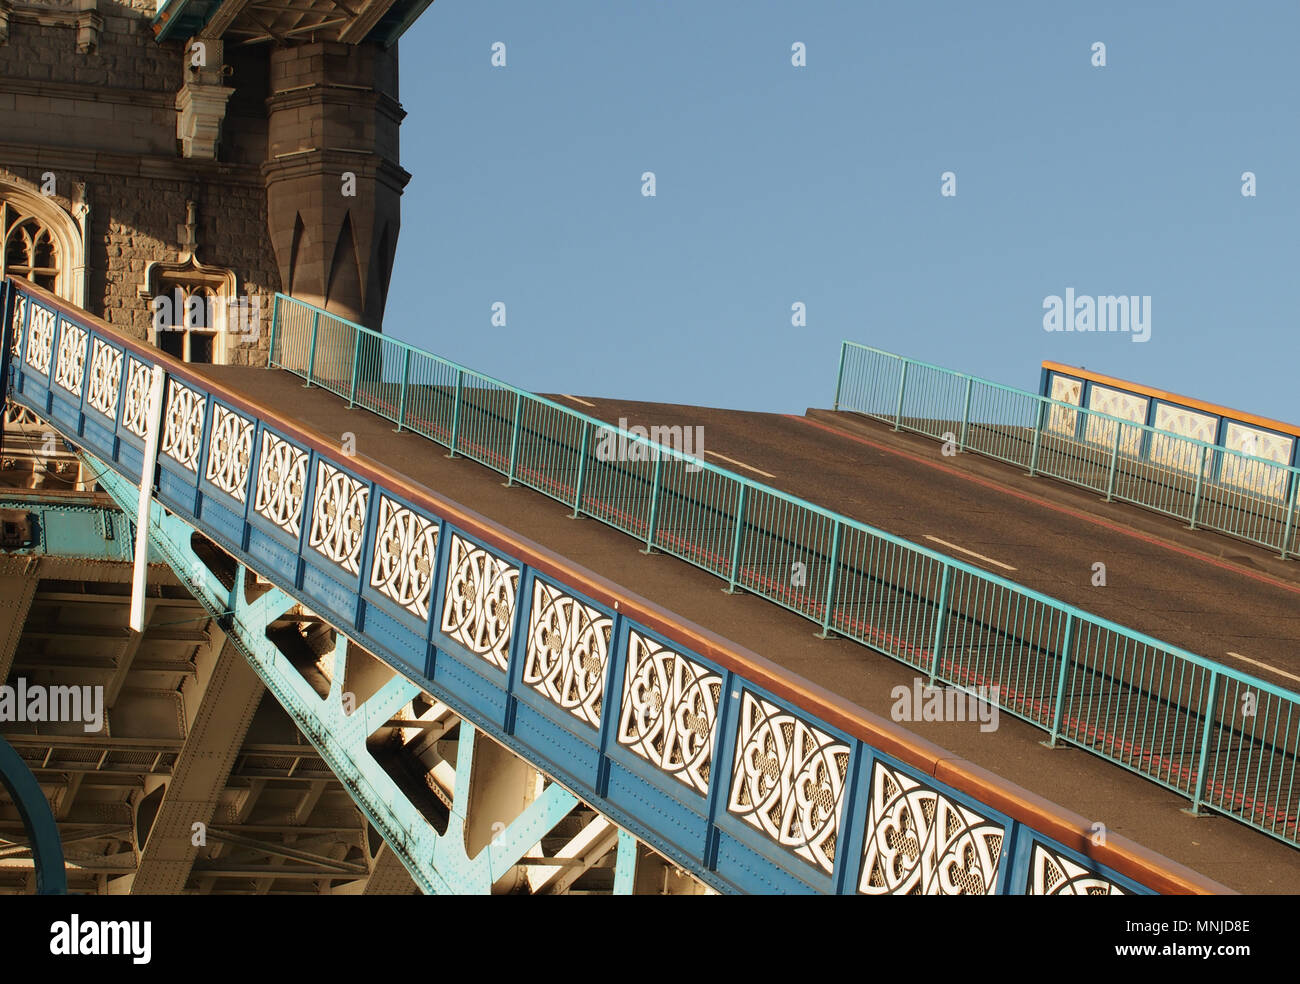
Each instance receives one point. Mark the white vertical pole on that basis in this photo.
(153, 427)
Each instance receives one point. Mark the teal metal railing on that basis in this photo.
(1226, 740)
(1206, 485)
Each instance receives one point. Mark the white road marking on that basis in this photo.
(739, 464)
(987, 560)
(576, 399)
(1265, 666)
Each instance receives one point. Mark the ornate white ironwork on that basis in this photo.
(669, 712)
(568, 649)
(22, 418)
(1053, 874)
(70, 364)
(105, 377)
(788, 780)
(1115, 403)
(405, 555)
(281, 483)
(1186, 423)
(40, 338)
(338, 516)
(920, 842)
(16, 329)
(230, 450)
(478, 606)
(1062, 420)
(135, 407)
(183, 425)
(1186, 456)
(1256, 475)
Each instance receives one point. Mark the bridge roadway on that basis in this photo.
(1208, 593)
(828, 467)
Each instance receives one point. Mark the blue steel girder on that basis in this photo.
(74, 526)
(38, 821)
(438, 862)
(670, 732)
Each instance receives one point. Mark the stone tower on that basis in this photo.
(171, 167)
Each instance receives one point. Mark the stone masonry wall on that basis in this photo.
(106, 118)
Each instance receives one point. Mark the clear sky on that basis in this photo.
(821, 184)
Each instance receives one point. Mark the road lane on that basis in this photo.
(1125, 803)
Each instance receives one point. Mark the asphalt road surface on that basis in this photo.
(1200, 592)
(1215, 596)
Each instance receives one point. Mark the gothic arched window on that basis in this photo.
(41, 241)
(186, 325)
(30, 252)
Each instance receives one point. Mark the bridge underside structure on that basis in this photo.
(188, 740)
(184, 778)
(504, 719)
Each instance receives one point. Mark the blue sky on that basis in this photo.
(821, 185)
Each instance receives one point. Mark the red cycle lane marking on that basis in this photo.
(1154, 541)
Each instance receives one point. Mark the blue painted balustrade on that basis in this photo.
(719, 760)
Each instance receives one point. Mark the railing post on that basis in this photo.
(1198, 793)
(455, 411)
(7, 303)
(311, 353)
(839, 376)
(902, 383)
(939, 619)
(1290, 511)
(654, 505)
(737, 538)
(582, 469)
(831, 579)
(514, 439)
(275, 331)
(1114, 459)
(1196, 492)
(1038, 438)
(401, 398)
(356, 364)
(965, 414)
(1067, 660)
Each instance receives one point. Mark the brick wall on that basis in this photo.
(107, 118)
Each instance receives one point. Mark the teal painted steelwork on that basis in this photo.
(1199, 791)
(180, 19)
(1131, 462)
(832, 567)
(75, 526)
(38, 821)
(1290, 513)
(437, 862)
(1196, 494)
(940, 612)
(312, 347)
(1065, 661)
(1132, 699)
(625, 864)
